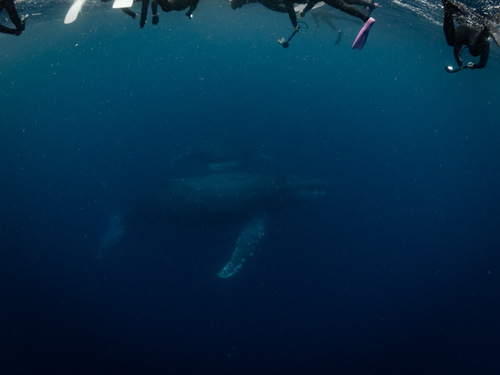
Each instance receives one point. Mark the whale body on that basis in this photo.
(222, 198)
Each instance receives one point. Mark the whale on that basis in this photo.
(218, 199)
(212, 157)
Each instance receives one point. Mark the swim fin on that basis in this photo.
(494, 32)
(360, 41)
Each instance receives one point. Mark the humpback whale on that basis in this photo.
(217, 158)
(219, 198)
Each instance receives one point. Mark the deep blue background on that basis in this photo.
(396, 271)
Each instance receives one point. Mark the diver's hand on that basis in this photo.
(156, 19)
(20, 29)
(471, 65)
(297, 28)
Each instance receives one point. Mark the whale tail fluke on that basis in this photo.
(247, 242)
(112, 235)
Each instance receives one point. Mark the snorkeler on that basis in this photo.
(472, 33)
(346, 6)
(165, 5)
(144, 11)
(14, 17)
(170, 5)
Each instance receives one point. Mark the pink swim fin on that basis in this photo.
(360, 41)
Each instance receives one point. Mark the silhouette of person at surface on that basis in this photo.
(165, 5)
(144, 11)
(472, 32)
(170, 5)
(346, 6)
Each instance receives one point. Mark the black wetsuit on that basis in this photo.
(165, 5)
(170, 5)
(474, 35)
(347, 6)
(144, 11)
(286, 6)
(8, 5)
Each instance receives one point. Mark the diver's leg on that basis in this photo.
(129, 12)
(144, 13)
(368, 21)
(154, 12)
(349, 9)
(366, 3)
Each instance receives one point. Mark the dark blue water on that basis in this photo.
(395, 271)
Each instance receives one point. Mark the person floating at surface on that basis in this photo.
(170, 5)
(346, 6)
(14, 17)
(472, 33)
(144, 11)
(165, 5)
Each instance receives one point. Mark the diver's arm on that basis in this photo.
(483, 59)
(308, 7)
(7, 30)
(189, 14)
(277, 7)
(291, 13)
(129, 12)
(457, 51)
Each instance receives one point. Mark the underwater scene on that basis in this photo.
(249, 187)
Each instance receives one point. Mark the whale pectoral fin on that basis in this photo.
(112, 235)
(245, 246)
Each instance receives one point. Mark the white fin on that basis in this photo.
(123, 3)
(245, 246)
(74, 11)
(112, 235)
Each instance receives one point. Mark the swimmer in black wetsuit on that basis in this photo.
(14, 17)
(473, 33)
(346, 6)
(165, 5)
(170, 5)
(144, 11)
